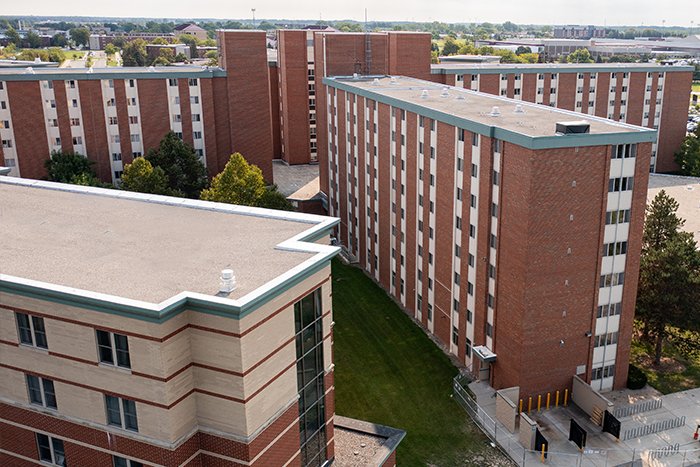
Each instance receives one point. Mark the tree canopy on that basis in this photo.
(579, 56)
(242, 183)
(81, 36)
(141, 176)
(185, 172)
(669, 274)
(134, 53)
(13, 36)
(688, 157)
(71, 167)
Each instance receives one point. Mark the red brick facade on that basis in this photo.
(86, 446)
(548, 243)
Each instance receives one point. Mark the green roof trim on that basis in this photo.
(644, 135)
(81, 74)
(453, 69)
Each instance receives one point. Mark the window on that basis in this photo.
(492, 271)
(616, 248)
(7, 143)
(111, 102)
(489, 329)
(131, 101)
(455, 335)
(461, 135)
(611, 309)
(458, 222)
(624, 151)
(121, 413)
(77, 140)
(495, 178)
(113, 349)
(133, 119)
(51, 103)
(197, 135)
(137, 154)
(31, 330)
(50, 450)
(620, 184)
(605, 339)
(115, 139)
(470, 288)
(472, 231)
(475, 170)
(458, 250)
(172, 82)
(470, 260)
(489, 300)
(5, 123)
(74, 122)
(112, 120)
(494, 209)
(611, 280)
(472, 201)
(123, 462)
(493, 241)
(41, 391)
(132, 83)
(116, 156)
(177, 118)
(3, 105)
(617, 217)
(136, 138)
(196, 117)
(194, 99)
(75, 103)
(193, 82)
(475, 139)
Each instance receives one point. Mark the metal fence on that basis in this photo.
(507, 442)
(640, 407)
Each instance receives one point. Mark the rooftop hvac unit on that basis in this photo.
(573, 128)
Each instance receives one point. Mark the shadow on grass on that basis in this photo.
(388, 371)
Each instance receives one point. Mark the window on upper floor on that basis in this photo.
(121, 413)
(41, 391)
(31, 330)
(51, 450)
(113, 348)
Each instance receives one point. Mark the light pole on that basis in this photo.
(253, 10)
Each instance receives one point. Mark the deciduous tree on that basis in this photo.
(141, 176)
(181, 165)
(688, 157)
(134, 53)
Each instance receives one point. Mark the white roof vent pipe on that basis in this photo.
(375, 81)
(89, 70)
(29, 70)
(495, 111)
(424, 94)
(519, 109)
(355, 76)
(227, 281)
(394, 80)
(151, 68)
(445, 92)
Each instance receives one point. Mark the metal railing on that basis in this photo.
(507, 442)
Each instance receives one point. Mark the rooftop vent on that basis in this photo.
(151, 68)
(29, 70)
(375, 81)
(227, 282)
(89, 70)
(445, 92)
(355, 76)
(519, 109)
(424, 94)
(460, 97)
(573, 128)
(495, 111)
(394, 80)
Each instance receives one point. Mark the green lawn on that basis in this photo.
(675, 376)
(696, 86)
(387, 371)
(74, 54)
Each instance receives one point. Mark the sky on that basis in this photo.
(598, 12)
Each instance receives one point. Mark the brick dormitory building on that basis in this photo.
(511, 231)
(116, 352)
(265, 105)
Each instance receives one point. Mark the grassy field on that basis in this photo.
(696, 86)
(676, 372)
(387, 371)
(74, 54)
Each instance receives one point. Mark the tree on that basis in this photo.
(523, 50)
(141, 176)
(669, 274)
(688, 157)
(180, 58)
(33, 40)
(81, 36)
(181, 165)
(242, 183)
(111, 49)
(13, 37)
(56, 55)
(59, 40)
(69, 167)
(450, 47)
(511, 27)
(238, 183)
(579, 56)
(134, 53)
(213, 57)
(165, 57)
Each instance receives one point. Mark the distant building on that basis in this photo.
(99, 41)
(470, 59)
(578, 32)
(153, 50)
(192, 30)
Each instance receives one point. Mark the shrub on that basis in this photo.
(636, 379)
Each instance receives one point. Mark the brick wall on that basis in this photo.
(673, 119)
(94, 126)
(29, 128)
(295, 96)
